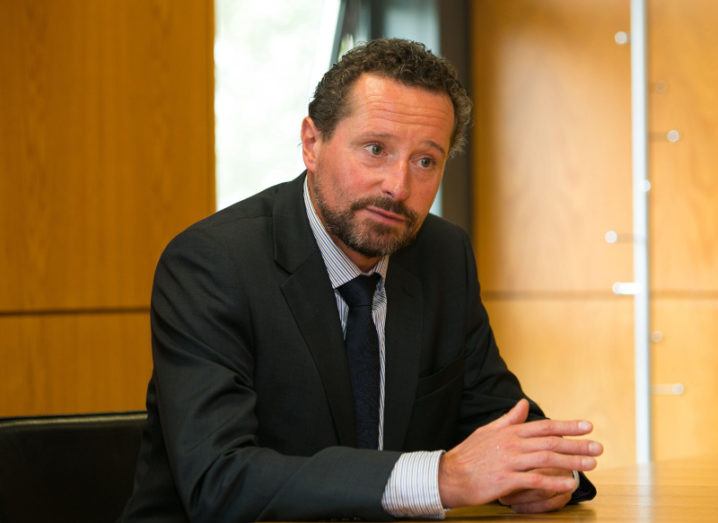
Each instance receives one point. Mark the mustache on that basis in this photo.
(387, 204)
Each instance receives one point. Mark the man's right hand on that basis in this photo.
(507, 456)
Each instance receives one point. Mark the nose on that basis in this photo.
(397, 181)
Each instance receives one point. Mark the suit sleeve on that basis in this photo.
(203, 378)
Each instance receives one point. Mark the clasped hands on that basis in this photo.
(527, 465)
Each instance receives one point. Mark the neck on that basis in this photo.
(365, 263)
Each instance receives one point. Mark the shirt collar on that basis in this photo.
(340, 268)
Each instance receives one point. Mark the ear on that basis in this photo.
(311, 143)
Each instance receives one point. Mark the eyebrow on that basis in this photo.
(430, 143)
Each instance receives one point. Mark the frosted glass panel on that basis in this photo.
(269, 56)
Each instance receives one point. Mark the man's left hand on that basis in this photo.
(535, 501)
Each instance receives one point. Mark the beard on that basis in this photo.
(366, 237)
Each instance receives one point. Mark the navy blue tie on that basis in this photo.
(362, 346)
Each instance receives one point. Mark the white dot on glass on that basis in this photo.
(621, 37)
(611, 236)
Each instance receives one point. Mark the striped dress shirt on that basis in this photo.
(413, 488)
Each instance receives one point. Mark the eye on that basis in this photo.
(426, 162)
(375, 149)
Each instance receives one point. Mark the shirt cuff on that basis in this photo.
(413, 486)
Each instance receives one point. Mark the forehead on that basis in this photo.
(383, 101)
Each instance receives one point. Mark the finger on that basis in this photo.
(519, 497)
(534, 480)
(545, 505)
(563, 446)
(549, 459)
(523, 497)
(551, 427)
(515, 416)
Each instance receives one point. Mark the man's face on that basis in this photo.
(374, 180)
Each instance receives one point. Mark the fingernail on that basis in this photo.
(588, 462)
(584, 425)
(595, 448)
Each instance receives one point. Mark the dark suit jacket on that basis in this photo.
(250, 406)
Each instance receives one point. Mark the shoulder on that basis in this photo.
(244, 222)
(239, 236)
(436, 229)
(439, 239)
(441, 250)
(246, 212)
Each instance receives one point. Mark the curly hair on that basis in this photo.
(405, 61)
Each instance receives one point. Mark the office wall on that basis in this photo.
(106, 152)
(552, 174)
(683, 75)
(552, 171)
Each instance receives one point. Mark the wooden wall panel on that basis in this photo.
(683, 71)
(106, 152)
(573, 364)
(74, 363)
(551, 159)
(685, 424)
(553, 171)
(106, 145)
(551, 144)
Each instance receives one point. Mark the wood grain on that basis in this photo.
(106, 152)
(676, 490)
(683, 71)
(575, 358)
(74, 363)
(551, 144)
(684, 223)
(552, 170)
(551, 160)
(106, 145)
(686, 424)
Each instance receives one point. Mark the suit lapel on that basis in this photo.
(403, 350)
(310, 297)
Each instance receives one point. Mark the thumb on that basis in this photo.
(515, 416)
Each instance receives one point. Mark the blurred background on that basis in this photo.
(124, 121)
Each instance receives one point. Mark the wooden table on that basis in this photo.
(678, 491)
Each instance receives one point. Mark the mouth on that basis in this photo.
(386, 216)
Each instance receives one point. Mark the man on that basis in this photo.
(269, 372)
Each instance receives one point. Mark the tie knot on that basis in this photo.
(359, 292)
